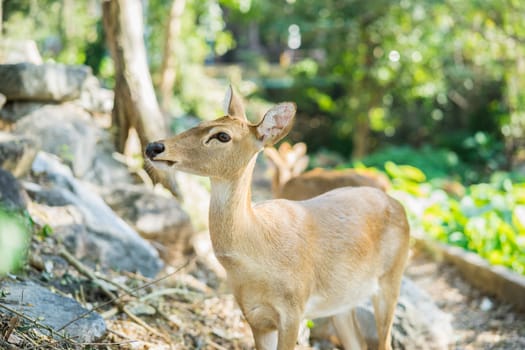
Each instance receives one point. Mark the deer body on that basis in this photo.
(290, 182)
(288, 260)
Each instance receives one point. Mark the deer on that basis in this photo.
(290, 182)
(290, 260)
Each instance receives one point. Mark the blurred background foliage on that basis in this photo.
(15, 232)
(430, 88)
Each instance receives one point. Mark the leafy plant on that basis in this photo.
(489, 219)
(15, 231)
(433, 162)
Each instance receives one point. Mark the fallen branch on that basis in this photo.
(13, 322)
(38, 324)
(86, 271)
(215, 345)
(134, 290)
(144, 325)
(184, 293)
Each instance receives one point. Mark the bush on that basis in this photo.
(15, 231)
(435, 163)
(488, 219)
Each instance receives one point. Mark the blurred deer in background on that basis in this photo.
(289, 181)
(289, 260)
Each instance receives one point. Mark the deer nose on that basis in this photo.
(153, 149)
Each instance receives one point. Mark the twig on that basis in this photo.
(123, 336)
(110, 313)
(116, 284)
(167, 291)
(109, 344)
(136, 276)
(36, 323)
(85, 271)
(166, 317)
(215, 345)
(13, 322)
(93, 275)
(133, 291)
(143, 324)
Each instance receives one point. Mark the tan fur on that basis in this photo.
(288, 260)
(289, 181)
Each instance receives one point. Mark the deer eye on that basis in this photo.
(222, 137)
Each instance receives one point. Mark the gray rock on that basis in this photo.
(12, 196)
(16, 110)
(156, 217)
(100, 249)
(106, 171)
(65, 130)
(43, 82)
(16, 153)
(94, 98)
(116, 245)
(418, 322)
(53, 310)
(18, 50)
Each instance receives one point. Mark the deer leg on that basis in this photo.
(288, 332)
(385, 301)
(265, 339)
(348, 330)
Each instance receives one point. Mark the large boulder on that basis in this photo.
(18, 50)
(13, 111)
(95, 99)
(65, 130)
(155, 216)
(12, 196)
(418, 322)
(106, 170)
(108, 241)
(52, 310)
(43, 82)
(16, 153)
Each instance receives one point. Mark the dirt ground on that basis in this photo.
(191, 315)
(479, 320)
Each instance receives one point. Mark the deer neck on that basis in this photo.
(231, 209)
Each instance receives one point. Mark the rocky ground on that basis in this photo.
(479, 320)
(182, 312)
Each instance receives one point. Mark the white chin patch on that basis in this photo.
(162, 165)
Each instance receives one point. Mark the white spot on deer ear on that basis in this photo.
(276, 121)
(268, 128)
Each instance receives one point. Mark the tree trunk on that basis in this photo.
(135, 102)
(361, 137)
(67, 18)
(361, 133)
(168, 73)
(1, 18)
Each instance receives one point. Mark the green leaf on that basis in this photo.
(406, 172)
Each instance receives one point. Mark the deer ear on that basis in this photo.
(233, 105)
(276, 123)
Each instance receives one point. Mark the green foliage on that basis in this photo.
(45, 232)
(412, 70)
(435, 163)
(62, 29)
(202, 35)
(488, 219)
(15, 233)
